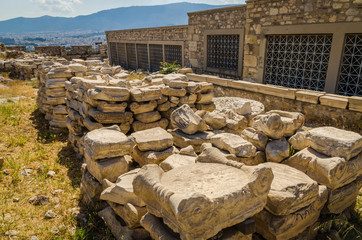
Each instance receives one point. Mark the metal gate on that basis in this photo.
(121, 51)
(131, 56)
(297, 61)
(173, 53)
(113, 53)
(350, 74)
(142, 56)
(223, 52)
(156, 56)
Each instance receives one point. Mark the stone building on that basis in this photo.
(309, 44)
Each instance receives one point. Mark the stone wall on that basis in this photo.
(59, 51)
(320, 108)
(80, 50)
(215, 19)
(261, 13)
(16, 48)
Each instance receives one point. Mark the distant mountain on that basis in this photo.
(113, 19)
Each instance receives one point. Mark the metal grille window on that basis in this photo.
(350, 76)
(121, 51)
(223, 52)
(113, 53)
(131, 56)
(173, 53)
(142, 56)
(297, 61)
(156, 56)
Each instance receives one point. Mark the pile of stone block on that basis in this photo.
(51, 97)
(333, 158)
(293, 206)
(202, 199)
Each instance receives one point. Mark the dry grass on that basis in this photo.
(25, 143)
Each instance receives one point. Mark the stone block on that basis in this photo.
(111, 117)
(206, 106)
(334, 101)
(187, 121)
(122, 191)
(277, 150)
(91, 125)
(176, 160)
(195, 203)
(308, 96)
(196, 77)
(109, 168)
(355, 103)
(190, 99)
(106, 107)
(145, 94)
(129, 213)
(257, 138)
(218, 81)
(185, 70)
(152, 157)
(106, 93)
(183, 140)
(334, 172)
(335, 142)
(138, 108)
(244, 85)
(291, 190)
(214, 119)
(163, 107)
(148, 117)
(299, 140)
(234, 144)
(90, 188)
(205, 97)
(139, 126)
(107, 142)
(155, 139)
(177, 92)
(277, 91)
(286, 227)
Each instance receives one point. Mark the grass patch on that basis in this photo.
(26, 143)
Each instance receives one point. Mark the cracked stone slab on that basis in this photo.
(199, 200)
(234, 144)
(335, 142)
(155, 139)
(334, 172)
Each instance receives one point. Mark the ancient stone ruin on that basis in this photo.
(168, 157)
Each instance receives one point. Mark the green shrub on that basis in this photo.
(167, 68)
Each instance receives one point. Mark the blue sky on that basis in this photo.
(71, 8)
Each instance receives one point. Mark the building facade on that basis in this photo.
(308, 44)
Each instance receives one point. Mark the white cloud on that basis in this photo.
(233, 1)
(64, 6)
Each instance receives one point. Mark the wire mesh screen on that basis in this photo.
(173, 53)
(156, 56)
(121, 51)
(297, 61)
(113, 53)
(223, 52)
(142, 56)
(131, 55)
(350, 75)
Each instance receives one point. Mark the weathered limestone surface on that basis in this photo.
(145, 94)
(122, 191)
(183, 140)
(109, 168)
(277, 150)
(234, 144)
(257, 138)
(334, 172)
(214, 119)
(299, 140)
(156, 228)
(176, 160)
(129, 213)
(200, 211)
(152, 157)
(290, 191)
(106, 93)
(187, 121)
(156, 139)
(341, 198)
(138, 108)
(277, 124)
(335, 142)
(111, 117)
(107, 143)
(139, 126)
(148, 117)
(90, 188)
(250, 161)
(286, 227)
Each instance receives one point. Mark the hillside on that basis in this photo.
(113, 19)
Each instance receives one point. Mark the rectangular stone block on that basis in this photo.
(155, 139)
(334, 101)
(309, 96)
(196, 77)
(355, 103)
(277, 91)
(244, 85)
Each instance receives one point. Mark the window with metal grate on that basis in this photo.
(297, 61)
(223, 52)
